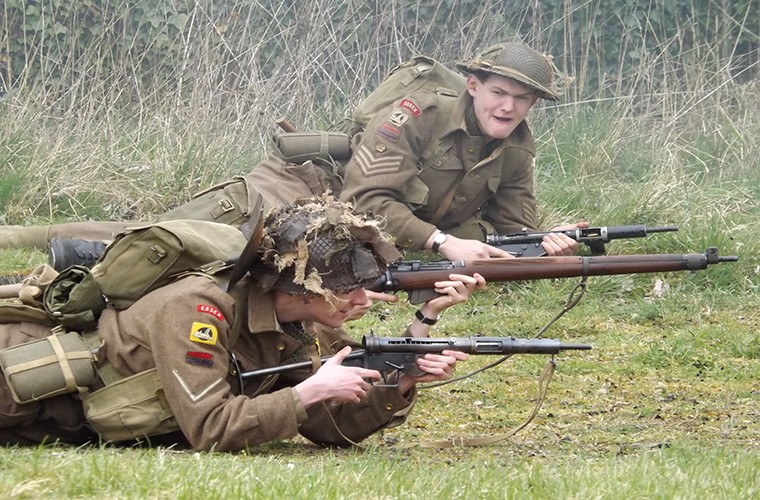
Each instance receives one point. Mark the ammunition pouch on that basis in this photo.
(41, 369)
(300, 147)
(131, 408)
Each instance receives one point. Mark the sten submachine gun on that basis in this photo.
(417, 279)
(528, 244)
(391, 354)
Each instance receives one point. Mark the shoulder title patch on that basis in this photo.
(204, 308)
(203, 333)
(411, 106)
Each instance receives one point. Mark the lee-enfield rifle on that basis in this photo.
(528, 243)
(417, 279)
(400, 354)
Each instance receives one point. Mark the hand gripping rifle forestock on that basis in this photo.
(399, 354)
(418, 279)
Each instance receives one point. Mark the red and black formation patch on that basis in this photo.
(199, 358)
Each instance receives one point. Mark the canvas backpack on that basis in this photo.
(139, 261)
(421, 73)
(232, 202)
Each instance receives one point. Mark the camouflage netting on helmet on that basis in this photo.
(321, 246)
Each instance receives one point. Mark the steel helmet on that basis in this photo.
(519, 62)
(322, 246)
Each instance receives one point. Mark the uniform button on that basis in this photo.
(280, 347)
(380, 148)
(470, 149)
(389, 407)
(438, 163)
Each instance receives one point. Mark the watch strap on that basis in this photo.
(438, 240)
(424, 319)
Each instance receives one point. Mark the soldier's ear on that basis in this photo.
(472, 84)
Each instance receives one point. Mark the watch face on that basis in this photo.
(438, 240)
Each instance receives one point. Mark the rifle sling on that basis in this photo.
(543, 381)
(543, 385)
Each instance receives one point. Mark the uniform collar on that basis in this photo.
(458, 121)
(262, 316)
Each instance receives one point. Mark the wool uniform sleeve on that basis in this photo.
(381, 176)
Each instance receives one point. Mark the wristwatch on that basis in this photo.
(425, 320)
(438, 240)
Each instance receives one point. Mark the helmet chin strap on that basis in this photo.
(250, 253)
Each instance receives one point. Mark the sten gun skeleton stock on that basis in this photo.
(528, 244)
(399, 354)
(418, 279)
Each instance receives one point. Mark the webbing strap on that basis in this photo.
(573, 298)
(68, 374)
(105, 370)
(335, 426)
(44, 361)
(249, 255)
(316, 363)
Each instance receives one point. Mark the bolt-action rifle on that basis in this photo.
(418, 279)
(528, 243)
(399, 354)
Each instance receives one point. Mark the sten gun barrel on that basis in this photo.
(470, 345)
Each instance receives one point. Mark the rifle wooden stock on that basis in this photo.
(413, 275)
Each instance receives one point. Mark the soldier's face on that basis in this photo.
(319, 310)
(501, 104)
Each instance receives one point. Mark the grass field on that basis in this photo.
(665, 405)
